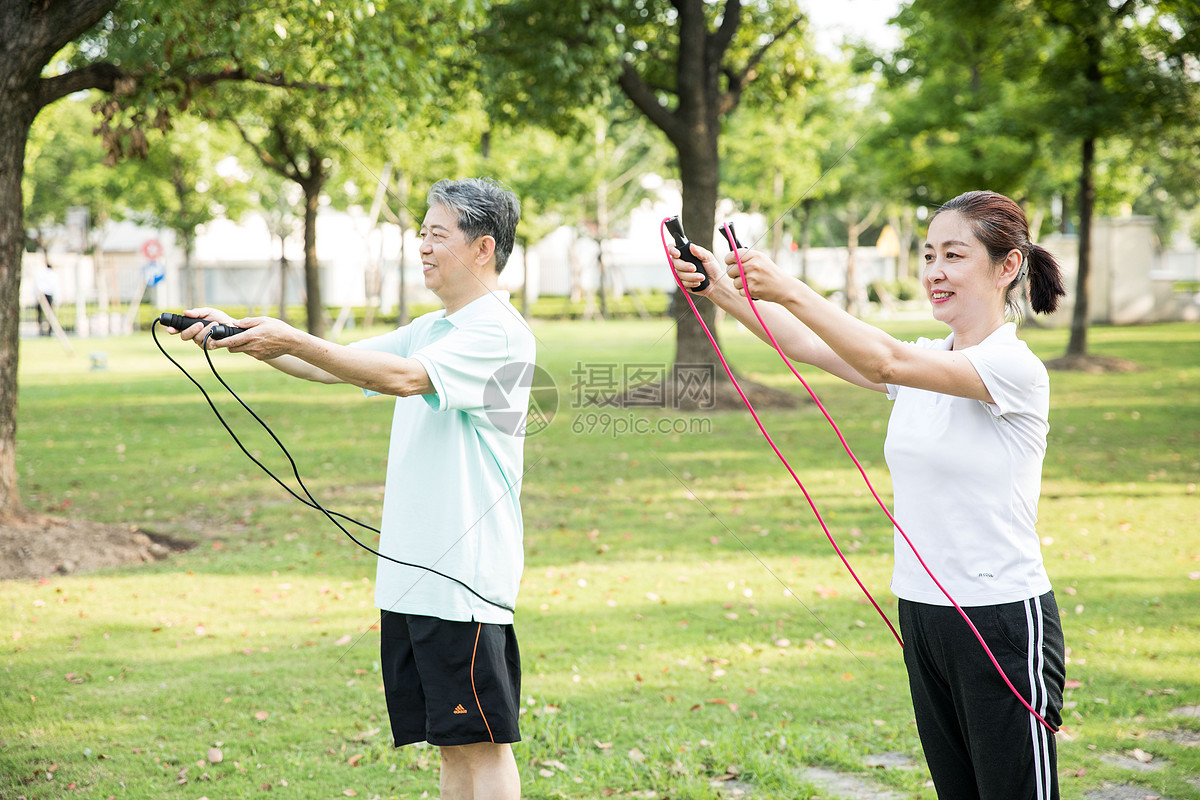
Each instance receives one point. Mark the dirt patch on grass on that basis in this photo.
(1124, 791)
(38, 546)
(1093, 365)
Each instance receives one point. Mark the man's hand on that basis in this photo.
(196, 332)
(265, 338)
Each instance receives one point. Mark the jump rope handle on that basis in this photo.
(180, 322)
(683, 244)
(737, 245)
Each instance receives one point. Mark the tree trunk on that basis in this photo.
(777, 195)
(699, 165)
(312, 272)
(33, 33)
(402, 221)
(17, 111)
(283, 279)
(526, 311)
(806, 207)
(1077, 345)
(853, 230)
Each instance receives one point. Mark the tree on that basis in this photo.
(153, 58)
(186, 180)
(1115, 71)
(189, 179)
(992, 95)
(354, 57)
(684, 64)
(776, 152)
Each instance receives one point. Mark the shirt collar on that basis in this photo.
(1007, 332)
(477, 308)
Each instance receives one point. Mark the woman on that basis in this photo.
(965, 445)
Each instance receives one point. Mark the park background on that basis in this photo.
(688, 632)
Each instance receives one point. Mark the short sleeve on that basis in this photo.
(397, 342)
(1016, 378)
(925, 343)
(461, 363)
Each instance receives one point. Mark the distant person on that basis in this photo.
(451, 666)
(965, 445)
(46, 284)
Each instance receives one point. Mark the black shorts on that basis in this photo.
(450, 683)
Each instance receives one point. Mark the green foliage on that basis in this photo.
(776, 156)
(999, 95)
(186, 179)
(957, 99)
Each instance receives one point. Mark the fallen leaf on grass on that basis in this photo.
(261, 715)
(1141, 755)
(215, 756)
(362, 737)
(637, 755)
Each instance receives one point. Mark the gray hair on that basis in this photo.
(484, 207)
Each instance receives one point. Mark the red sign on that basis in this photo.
(152, 249)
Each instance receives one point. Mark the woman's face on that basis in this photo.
(959, 278)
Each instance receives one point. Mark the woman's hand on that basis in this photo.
(764, 279)
(687, 273)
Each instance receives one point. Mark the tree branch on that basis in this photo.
(99, 75)
(642, 96)
(738, 81)
(105, 76)
(269, 161)
(761, 52)
(240, 74)
(719, 41)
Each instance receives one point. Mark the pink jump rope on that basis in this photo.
(682, 243)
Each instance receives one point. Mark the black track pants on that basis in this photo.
(979, 741)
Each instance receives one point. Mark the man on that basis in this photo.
(451, 666)
(46, 283)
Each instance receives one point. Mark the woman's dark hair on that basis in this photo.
(1000, 225)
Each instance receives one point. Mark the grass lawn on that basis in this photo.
(674, 646)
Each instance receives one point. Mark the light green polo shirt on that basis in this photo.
(452, 498)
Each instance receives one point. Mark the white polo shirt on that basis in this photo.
(966, 479)
(452, 499)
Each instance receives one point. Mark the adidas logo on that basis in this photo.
(458, 709)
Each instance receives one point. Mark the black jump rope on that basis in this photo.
(218, 331)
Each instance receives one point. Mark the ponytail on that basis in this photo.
(1045, 280)
(1000, 225)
